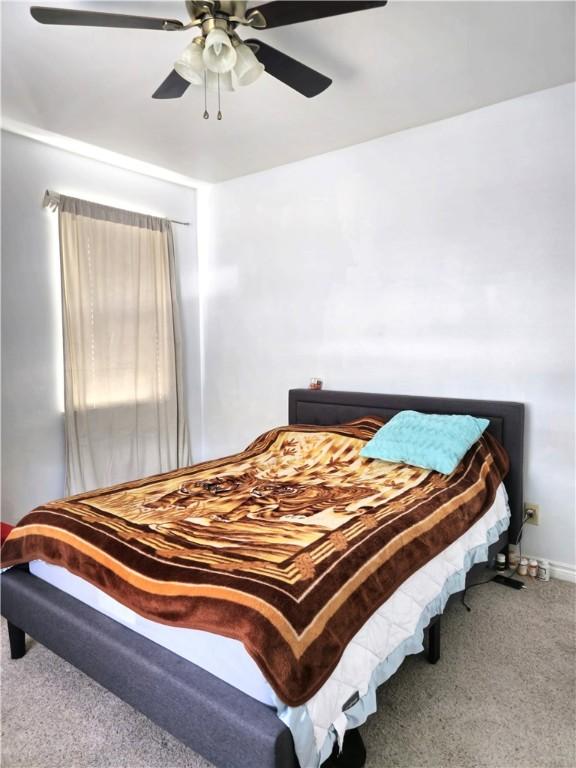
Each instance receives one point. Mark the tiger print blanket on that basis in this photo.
(289, 546)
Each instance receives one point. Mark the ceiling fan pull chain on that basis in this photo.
(206, 114)
(219, 110)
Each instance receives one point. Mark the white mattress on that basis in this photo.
(223, 657)
(391, 625)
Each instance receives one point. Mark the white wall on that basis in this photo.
(436, 261)
(32, 419)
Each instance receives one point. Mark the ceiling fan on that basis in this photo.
(217, 58)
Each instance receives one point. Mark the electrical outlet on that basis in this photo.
(532, 513)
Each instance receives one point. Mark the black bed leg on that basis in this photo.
(434, 641)
(17, 639)
(353, 753)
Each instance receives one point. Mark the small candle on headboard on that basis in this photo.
(315, 384)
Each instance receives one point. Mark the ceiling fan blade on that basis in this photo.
(172, 88)
(279, 14)
(298, 76)
(96, 19)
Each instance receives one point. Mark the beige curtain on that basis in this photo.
(125, 414)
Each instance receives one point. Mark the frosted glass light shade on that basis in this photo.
(190, 65)
(219, 54)
(228, 81)
(248, 68)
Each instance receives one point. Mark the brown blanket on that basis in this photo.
(289, 546)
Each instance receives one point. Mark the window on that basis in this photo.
(123, 383)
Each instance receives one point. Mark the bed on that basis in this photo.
(225, 725)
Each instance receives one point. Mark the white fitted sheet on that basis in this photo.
(227, 659)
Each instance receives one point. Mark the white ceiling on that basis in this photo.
(404, 65)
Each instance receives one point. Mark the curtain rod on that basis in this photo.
(52, 200)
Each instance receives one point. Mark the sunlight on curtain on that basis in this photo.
(124, 409)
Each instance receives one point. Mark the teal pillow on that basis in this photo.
(425, 440)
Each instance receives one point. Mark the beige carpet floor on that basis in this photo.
(502, 696)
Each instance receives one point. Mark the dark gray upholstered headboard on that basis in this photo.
(324, 407)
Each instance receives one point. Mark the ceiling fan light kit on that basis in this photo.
(219, 53)
(248, 69)
(219, 62)
(190, 65)
(218, 59)
(226, 82)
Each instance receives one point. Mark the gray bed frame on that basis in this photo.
(227, 727)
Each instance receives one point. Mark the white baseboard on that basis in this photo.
(563, 571)
(558, 570)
